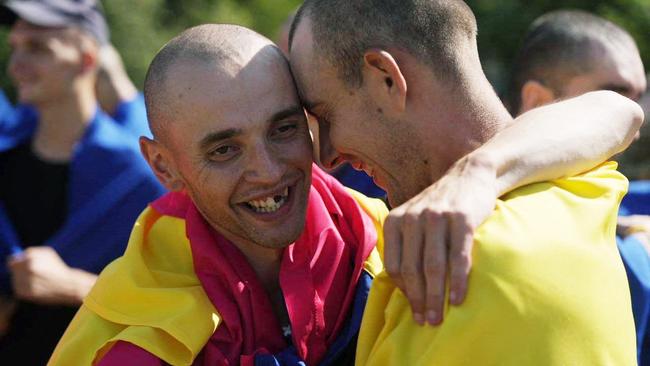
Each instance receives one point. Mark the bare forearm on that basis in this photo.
(561, 139)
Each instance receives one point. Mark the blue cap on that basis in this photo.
(84, 14)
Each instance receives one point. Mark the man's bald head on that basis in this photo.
(224, 48)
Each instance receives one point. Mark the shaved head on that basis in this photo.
(224, 48)
(564, 44)
(229, 130)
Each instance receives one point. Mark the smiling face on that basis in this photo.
(238, 143)
(44, 62)
(353, 126)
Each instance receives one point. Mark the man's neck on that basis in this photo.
(61, 125)
(264, 261)
(471, 124)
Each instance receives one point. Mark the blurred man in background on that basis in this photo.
(73, 179)
(568, 53)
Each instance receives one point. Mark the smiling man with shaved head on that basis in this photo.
(257, 256)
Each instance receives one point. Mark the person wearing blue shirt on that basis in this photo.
(73, 178)
(6, 109)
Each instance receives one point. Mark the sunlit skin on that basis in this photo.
(355, 127)
(383, 126)
(43, 62)
(238, 135)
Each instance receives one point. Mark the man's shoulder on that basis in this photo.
(560, 223)
(600, 182)
(583, 206)
(547, 281)
(156, 268)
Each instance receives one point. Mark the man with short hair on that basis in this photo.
(72, 181)
(398, 89)
(567, 53)
(246, 261)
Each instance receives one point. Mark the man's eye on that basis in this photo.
(286, 130)
(223, 153)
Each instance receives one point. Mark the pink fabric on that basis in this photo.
(128, 354)
(318, 277)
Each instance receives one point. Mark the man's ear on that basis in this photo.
(535, 94)
(158, 158)
(387, 84)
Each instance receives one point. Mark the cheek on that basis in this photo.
(214, 190)
(299, 151)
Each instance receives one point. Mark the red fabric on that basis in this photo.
(128, 354)
(318, 277)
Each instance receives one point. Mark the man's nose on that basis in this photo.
(265, 166)
(329, 157)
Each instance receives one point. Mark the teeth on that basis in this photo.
(269, 204)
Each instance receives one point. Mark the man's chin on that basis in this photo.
(280, 241)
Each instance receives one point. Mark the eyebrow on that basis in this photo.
(288, 112)
(215, 137)
(218, 136)
(309, 105)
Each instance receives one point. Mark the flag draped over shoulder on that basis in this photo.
(186, 295)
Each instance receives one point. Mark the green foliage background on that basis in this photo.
(140, 27)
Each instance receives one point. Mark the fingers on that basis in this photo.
(460, 258)
(435, 265)
(424, 247)
(393, 247)
(411, 266)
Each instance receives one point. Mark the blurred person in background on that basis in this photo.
(567, 53)
(73, 179)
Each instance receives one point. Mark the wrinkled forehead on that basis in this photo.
(317, 80)
(228, 94)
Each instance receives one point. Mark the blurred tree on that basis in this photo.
(139, 28)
